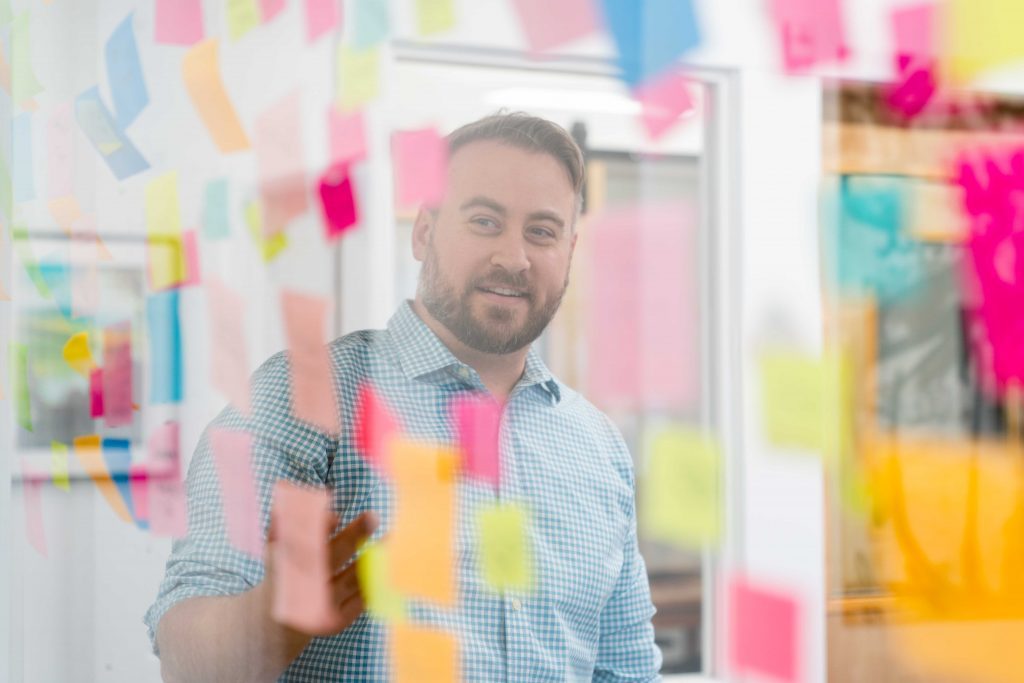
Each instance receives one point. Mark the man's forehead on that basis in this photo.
(507, 173)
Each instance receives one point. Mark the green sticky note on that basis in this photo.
(59, 465)
(373, 570)
(19, 381)
(679, 494)
(434, 16)
(216, 224)
(243, 16)
(24, 85)
(505, 557)
(269, 248)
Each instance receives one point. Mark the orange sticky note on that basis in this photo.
(422, 539)
(282, 171)
(205, 86)
(230, 366)
(421, 654)
(313, 394)
(89, 452)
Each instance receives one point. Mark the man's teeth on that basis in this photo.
(504, 292)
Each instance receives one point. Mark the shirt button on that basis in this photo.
(516, 604)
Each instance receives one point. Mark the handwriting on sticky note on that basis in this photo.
(322, 17)
(375, 427)
(165, 351)
(358, 76)
(421, 167)
(373, 569)
(179, 22)
(59, 465)
(478, 425)
(548, 25)
(165, 257)
(337, 201)
(230, 363)
(423, 654)
(232, 453)
(764, 631)
(680, 502)
(422, 538)
(506, 559)
(117, 374)
(282, 174)
(124, 73)
(314, 399)
(201, 71)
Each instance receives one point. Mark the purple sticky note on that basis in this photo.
(478, 424)
(764, 638)
(60, 146)
(117, 374)
(338, 201)
(811, 31)
(232, 452)
(179, 22)
(549, 25)
(96, 393)
(421, 167)
(347, 133)
(322, 17)
(665, 99)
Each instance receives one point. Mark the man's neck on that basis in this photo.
(498, 371)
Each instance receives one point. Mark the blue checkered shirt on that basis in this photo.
(589, 614)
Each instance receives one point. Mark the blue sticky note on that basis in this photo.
(21, 151)
(216, 222)
(371, 24)
(106, 136)
(650, 35)
(58, 280)
(117, 455)
(164, 347)
(124, 74)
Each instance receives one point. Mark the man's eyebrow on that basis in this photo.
(547, 216)
(485, 202)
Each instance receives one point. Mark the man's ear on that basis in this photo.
(425, 220)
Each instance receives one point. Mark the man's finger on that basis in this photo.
(344, 544)
(345, 585)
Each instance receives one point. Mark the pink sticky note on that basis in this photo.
(664, 99)
(914, 31)
(117, 375)
(811, 31)
(31, 491)
(138, 483)
(548, 25)
(421, 167)
(270, 8)
(190, 245)
(60, 146)
(478, 423)
(179, 22)
(168, 510)
(230, 366)
(282, 174)
(96, 393)
(764, 636)
(232, 452)
(313, 394)
(375, 427)
(338, 201)
(914, 39)
(302, 585)
(322, 16)
(162, 448)
(347, 133)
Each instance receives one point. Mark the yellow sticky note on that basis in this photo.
(78, 355)
(163, 232)
(421, 654)
(243, 16)
(270, 246)
(358, 74)
(981, 35)
(423, 539)
(506, 561)
(679, 493)
(434, 16)
(201, 71)
(59, 465)
(373, 568)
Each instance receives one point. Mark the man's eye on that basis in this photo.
(487, 223)
(543, 233)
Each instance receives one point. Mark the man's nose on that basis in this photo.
(510, 253)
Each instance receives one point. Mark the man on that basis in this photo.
(496, 256)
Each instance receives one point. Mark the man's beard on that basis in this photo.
(456, 313)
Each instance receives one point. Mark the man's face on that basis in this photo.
(496, 253)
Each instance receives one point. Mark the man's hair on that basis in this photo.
(529, 133)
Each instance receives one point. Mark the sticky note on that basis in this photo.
(21, 154)
(89, 453)
(549, 25)
(665, 99)
(478, 425)
(270, 9)
(811, 32)
(270, 247)
(423, 654)
(650, 35)
(232, 459)
(19, 385)
(373, 570)
(162, 451)
(981, 36)
(914, 31)
(60, 160)
(138, 485)
(281, 169)
(24, 84)
(31, 492)
(78, 355)
(95, 120)
(764, 631)
(117, 375)
(59, 465)
(216, 219)
(434, 16)
(58, 280)
(371, 23)
(503, 538)
(230, 362)
(96, 393)
(164, 333)
(314, 397)
(421, 167)
(680, 502)
(337, 201)
(190, 251)
(168, 510)
(422, 538)
(165, 257)
(347, 134)
(375, 427)
(124, 73)
(201, 72)
(179, 22)
(358, 77)
(117, 456)
(242, 17)
(303, 597)
(322, 17)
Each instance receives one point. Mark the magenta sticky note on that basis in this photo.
(167, 507)
(31, 491)
(421, 167)
(96, 393)
(314, 397)
(478, 425)
(549, 25)
(322, 17)
(347, 134)
(811, 32)
(270, 8)
(232, 453)
(117, 374)
(665, 99)
(280, 165)
(914, 32)
(764, 631)
(60, 146)
(179, 22)
(138, 482)
(228, 343)
(338, 201)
